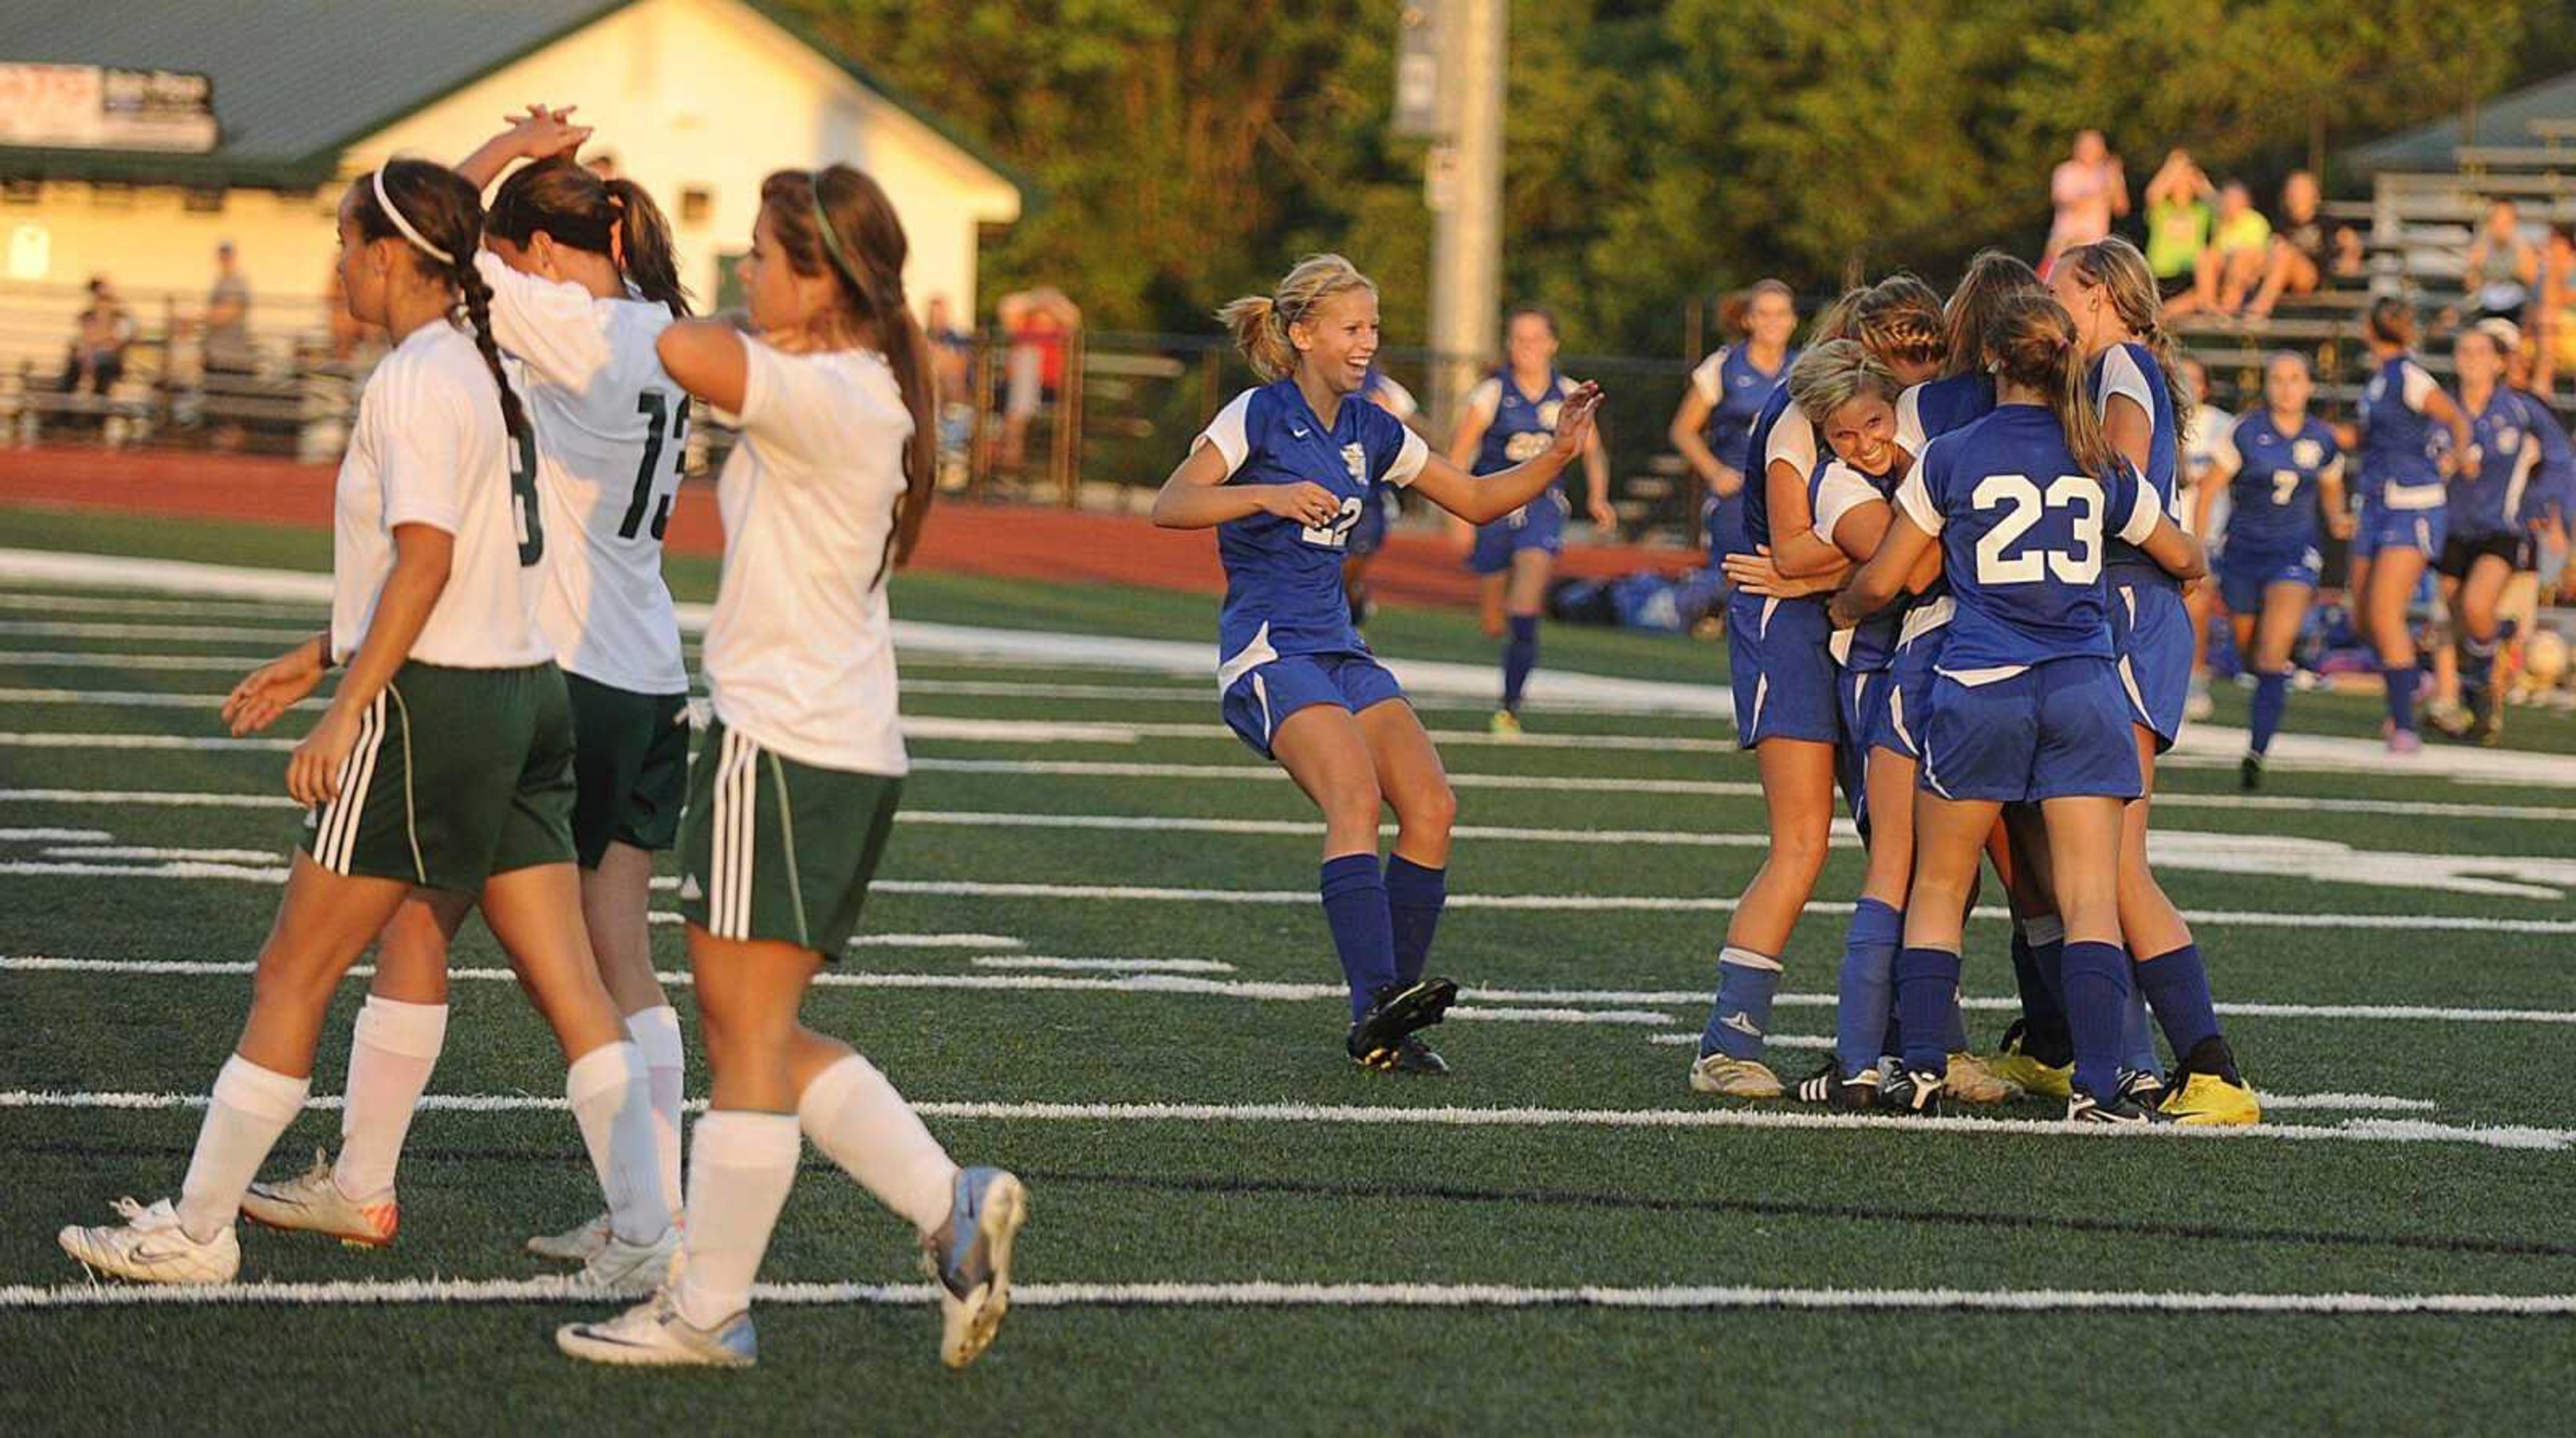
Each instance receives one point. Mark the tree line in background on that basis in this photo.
(1658, 151)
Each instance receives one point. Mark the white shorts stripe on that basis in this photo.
(336, 839)
(375, 743)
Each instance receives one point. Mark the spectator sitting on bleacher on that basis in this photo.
(99, 338)
(2299, 260)
(2178, 222)
(2502, 268)
(2233, 263)
(2554, 329)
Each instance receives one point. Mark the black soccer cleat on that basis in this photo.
(2143, 1087)
(2083, 1107)
(1413, 1056)
(1827, 1086)
(2249, 772)
(1913, 1093)
(1377, 1040)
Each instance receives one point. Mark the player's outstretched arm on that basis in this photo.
(1484, 499)
(1196, 496)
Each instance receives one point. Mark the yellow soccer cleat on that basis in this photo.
(1506, 725)
(2014, 1065)
(1734, 1078)
(1973, 1079)
(2205, 1100)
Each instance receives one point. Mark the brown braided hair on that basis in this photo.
(864, 253)
(1899, 318)
(445, 208)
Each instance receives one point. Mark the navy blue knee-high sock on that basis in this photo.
(1740, 1016)
(1927, 982)
(2097, 1013)
(2271, 701)
(2401, 696)
(1363, 933)
(1414, 898)
(2177, 986)
(1520, 656)
(2138, 1047)
(1865, 999)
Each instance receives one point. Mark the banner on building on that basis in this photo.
(105, 107)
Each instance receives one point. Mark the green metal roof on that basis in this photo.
(299, 81)
(2502, 121)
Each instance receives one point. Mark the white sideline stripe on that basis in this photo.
(209, 701)
(1285, 991)
(142, 741)
(561, 1289)
(67, 659)
(2498, 1136)
(128, 851)
(1777, 1041)
(1122, 966)
(1036, 648)
(1307, 828)
(281, 634)
(45, 603)
(936, 941)
(1201, 694)
(1518, 903)
(54, 836)
(157, 798)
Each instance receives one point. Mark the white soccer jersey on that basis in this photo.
(610, 424)
(800, 655)
(430, 449)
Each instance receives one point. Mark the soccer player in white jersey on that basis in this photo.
(445, 759)
(583, 281)
(793, 793)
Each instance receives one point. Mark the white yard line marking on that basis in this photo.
(1205, 694)
(1258, 1294)
(54, 836)
(1285, 991)
(2507, 1137)
(66, 659)
(278, 634)
(936, 941)
(1777, 1041)
(128, 851)
(127, 699)
(1115, 966)
(164, 799)
(52, 603)
(204, 742)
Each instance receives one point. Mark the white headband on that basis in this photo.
(386, 203)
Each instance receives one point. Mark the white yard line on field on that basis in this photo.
(2506, 1137)
(1149, 983)
(1261, 1294)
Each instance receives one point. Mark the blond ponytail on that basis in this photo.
(1260, 323)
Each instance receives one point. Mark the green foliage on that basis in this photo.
(1657, 150)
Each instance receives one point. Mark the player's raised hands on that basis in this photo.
(544, 132)
(1574, 418)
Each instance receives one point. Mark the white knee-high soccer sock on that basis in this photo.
(656, 1032)
(391, 1056)
(857, 1119)
(250, 1108)
(611, 1100)
(741, 1164)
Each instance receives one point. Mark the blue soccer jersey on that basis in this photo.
(2130, 371)
(2488, 501)
(2024, 533)
(1518, 426)
(2553, 489)
(2397, 468)
(1929, 410)
(1283, 579)
(1735, 388)
(1781, 435)
(2274, 495)
(1838, 490)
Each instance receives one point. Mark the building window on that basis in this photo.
(203, 201)
(697, 205)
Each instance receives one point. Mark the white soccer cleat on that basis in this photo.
(1734, 1078)
(1973, 1080)
(652, 1334)
(974, 1265)
(312, 1202)
(630, 1270)
(151, 1247)
(578, 1244)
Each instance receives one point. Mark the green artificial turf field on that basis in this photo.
(1096, 958)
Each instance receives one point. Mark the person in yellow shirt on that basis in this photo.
(2233, 263)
